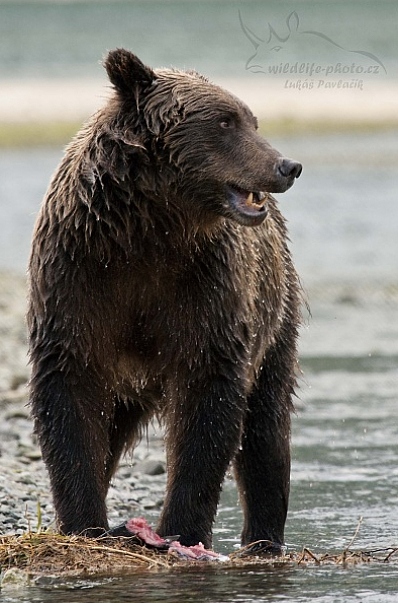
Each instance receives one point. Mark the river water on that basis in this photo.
(48, 38)
(342, 214)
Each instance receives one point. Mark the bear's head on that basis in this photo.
(201, 136)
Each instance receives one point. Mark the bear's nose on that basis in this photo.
(289, 168)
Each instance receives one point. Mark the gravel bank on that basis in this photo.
(138, 487)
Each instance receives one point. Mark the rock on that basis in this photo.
(14, 578)
(150, 467)
(18, 395)
(148, 503)
(33, 454)
(17, 380)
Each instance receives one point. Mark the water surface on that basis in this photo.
(44, 38)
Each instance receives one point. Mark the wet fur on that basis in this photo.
(146, 298)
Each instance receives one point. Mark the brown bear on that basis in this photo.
(161, 284)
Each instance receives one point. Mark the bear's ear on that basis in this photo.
(125, 70)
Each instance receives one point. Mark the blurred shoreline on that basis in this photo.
(49, 111)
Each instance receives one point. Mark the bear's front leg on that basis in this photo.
(203, 434)
(262, 465)
(70, 413)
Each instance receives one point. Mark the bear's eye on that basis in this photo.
(226, 123)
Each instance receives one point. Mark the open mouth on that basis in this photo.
(248, 207)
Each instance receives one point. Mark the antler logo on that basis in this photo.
(273, 42)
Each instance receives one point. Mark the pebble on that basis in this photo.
(14, 578)
(151, 467)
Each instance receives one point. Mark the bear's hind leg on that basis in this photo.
(70, 413)
(129, 418)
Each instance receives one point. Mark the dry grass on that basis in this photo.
(348, 557)
(40, 554)
(307, 557)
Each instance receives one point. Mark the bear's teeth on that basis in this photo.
(255, 199)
